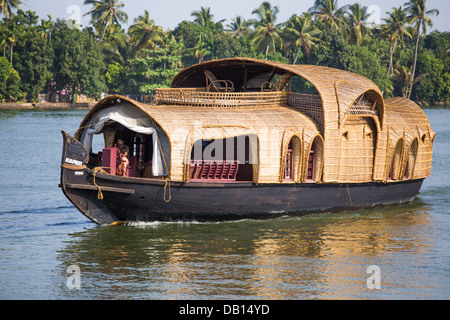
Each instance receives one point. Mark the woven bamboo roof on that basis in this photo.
(184, 125)
(338, 89)
(275, 117)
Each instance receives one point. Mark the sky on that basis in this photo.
(168, 13)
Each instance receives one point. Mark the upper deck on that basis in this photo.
(200, 97)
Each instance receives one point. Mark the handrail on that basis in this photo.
(201, 98)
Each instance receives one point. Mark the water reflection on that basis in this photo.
(316, 256)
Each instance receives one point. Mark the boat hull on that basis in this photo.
(110, 199)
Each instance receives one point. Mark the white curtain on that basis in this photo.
(132, 118)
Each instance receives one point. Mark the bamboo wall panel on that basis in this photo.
(357, 154)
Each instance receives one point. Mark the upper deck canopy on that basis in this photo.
(338, 89)
(238, 70)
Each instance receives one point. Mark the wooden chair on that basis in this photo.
(217, 85)
(277, 86)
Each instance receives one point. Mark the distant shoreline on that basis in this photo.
(66, 105)
(45, 106)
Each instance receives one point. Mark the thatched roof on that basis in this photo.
(342, 96)
(184, 124)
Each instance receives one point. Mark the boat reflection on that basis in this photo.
(311, 257)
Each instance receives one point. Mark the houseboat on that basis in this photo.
(246, 138)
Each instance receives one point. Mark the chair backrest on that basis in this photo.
(218, 85)
(210, 76)
(279, 85)
(283, 81)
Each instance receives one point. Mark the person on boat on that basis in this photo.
(124, 150)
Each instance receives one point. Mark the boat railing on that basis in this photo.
(200, 97)
(217, 170)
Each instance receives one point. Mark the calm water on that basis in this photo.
(313, 257)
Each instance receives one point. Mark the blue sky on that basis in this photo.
(168, 13)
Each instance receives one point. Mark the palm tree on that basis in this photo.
(6, 7)
(105, 14)
(47, 28)
(205, 24)
(267, 34)
(304, 32)
(395, 29)
(357, 15)
(203, 17)
(11, 33)
(144, 33)
(239, 26)
(117, 49)
(418, 15)
(403, 76)
(328, 11)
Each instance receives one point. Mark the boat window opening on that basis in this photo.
(214, 85)
(423, 138)
(406, 172)
(301, 85)
(140, 146)
(289, 164)
(411, 161)
(394, 171)
(366, 104)
(311, 164)
(314, 163)
(292, 160)
(278, 83)
(304, 97)
(221, 160)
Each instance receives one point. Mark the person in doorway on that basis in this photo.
(124, 151)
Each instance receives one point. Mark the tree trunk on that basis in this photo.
(415, 60)
(103, 35)
(12, 51)
(391, 59)
(296, 56)
(391, 67)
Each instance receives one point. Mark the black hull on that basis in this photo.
(134, 199)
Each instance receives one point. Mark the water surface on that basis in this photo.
(320, 256)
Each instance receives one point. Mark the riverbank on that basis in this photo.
(45, 106)
(65, 105)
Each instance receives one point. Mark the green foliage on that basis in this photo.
(78, 65)
(435, 83)
(156, 70)
(115, 78)
(33, 55)
(44, 55)
(9, 82)
(362, 61)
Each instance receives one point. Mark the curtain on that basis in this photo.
(132, 118)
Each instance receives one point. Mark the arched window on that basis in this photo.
(394, 171)
(292, 160)
(314, 161)
(411, 160)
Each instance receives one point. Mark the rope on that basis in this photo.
(94, 173)
(165, 188)
(167, 184)
(73, 167)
